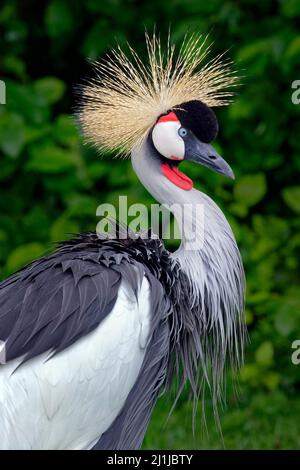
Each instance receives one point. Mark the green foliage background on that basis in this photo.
(50, 184)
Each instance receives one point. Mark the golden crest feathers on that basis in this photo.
(124, 101)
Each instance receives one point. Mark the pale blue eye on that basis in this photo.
(182, 132)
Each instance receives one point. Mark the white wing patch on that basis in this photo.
(70, 400)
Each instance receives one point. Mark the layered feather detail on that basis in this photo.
(123, 102)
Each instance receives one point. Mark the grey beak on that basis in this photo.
(206, 155)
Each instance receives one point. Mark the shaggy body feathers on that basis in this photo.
(58, 301)
(84, 278)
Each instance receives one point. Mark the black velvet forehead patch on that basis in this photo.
(199, 118)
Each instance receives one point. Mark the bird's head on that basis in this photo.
(168, 102)
(186, 133)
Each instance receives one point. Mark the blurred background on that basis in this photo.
(50, 184)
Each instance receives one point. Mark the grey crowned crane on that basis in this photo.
(92, 334)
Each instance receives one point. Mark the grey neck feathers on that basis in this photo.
(208, 249)
(211, 262)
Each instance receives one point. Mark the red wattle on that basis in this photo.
(176, 177)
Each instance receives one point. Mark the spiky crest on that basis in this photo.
(123, 102)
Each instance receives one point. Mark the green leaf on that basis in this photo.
(23, 255)
(96, 40)
(15, 66)
(24, 100)
(249, 317)
(12, 134)
(35, 133)
(36, 221)
(291, 8)
(8, 167)
(250, 189)
(250, 373)
(287, 318)
(294, 49)
(291, 197)
(97, 170)
(285, 321)
(241, 109)
(62, 228)
(70, 182)
(271, 380)
(58, 19)
(81, 205)
(256, 54)
(239, 209)
(264, 354)
(48, 158)
(65, 131)
(51, 89)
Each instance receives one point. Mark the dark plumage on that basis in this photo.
(61, 283)
(199, 118)
(80, 283)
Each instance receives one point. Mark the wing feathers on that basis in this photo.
(56, 300)
(55, 303)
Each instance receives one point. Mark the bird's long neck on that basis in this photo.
(209, 313)
(208, 252)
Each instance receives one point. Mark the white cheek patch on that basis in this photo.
(167, 141)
